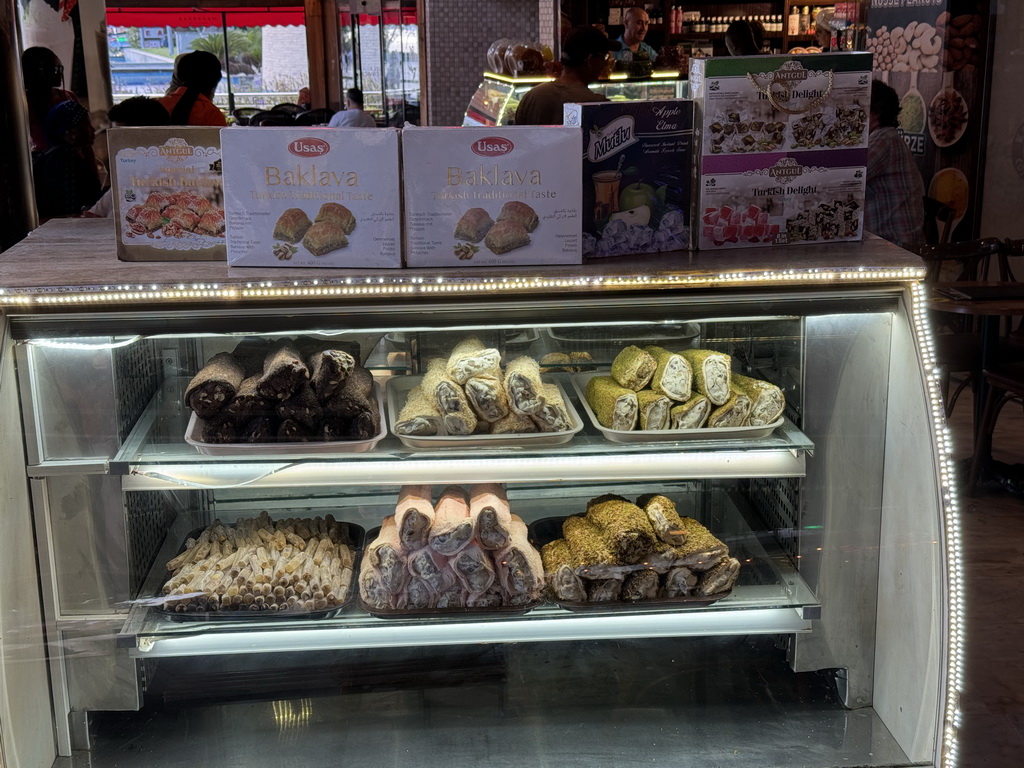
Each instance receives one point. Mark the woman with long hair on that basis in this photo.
(192, 103)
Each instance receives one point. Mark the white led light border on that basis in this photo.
(382, 287)
(951, 715)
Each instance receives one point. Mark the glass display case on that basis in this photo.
(836, 643)
(496, 100)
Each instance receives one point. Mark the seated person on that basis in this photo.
(637, 23)
(66, 176)
(353, 115)
(744, 38)
(192, 103)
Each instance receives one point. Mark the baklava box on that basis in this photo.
(491, 196)
(168, 201)
(312, 197)
(781, 148)
(636, 175)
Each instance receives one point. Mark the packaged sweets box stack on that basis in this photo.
(168, 201)
(782, 149)
(301, 197)
(636, 175)
(491, 196)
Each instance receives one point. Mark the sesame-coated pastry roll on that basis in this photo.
(414, 514)
(452, 528)
(491, 516)
(654, 409)
(552, 416)
(514, 424)
(214, 386)
(664, 518)
(633, 368)
(560, 572)
(615, 406)
(419, 416)
(712, 372)
(767, 401)
(690, 415)
(487, 397)
(471, 358)
(456, 415)
(523, 384)
(733, 413)
(673, 377)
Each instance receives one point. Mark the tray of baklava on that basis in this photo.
(261, 568)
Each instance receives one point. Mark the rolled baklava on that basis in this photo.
(214, 386)
(633, 368)
(552, 416)
(523, 384)
(673, 376)
(456, 415)
(733, 413)
(654, 409)
(712, 372)
(767, 401)
(615, 406)
(690, 415)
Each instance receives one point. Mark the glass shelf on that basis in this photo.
(156, 456)
(770, 597)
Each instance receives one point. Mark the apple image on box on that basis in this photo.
(634, 195)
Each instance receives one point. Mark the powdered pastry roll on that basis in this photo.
(491, 516)
(414, 514)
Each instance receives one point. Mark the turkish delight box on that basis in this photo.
(803, 115)
(312, 197)
(168, 200)
(636, 175)
(491, 196)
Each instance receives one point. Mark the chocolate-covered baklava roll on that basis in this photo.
(283, 372)
(523, 384)
(328, 369)
(419, 416)
(654, 409)
(690, 415)
(712, 372)
(261, 429)
(214, 386)
(220, 429)
(366, 425)
(353, 396)
(615, 406)
(248, 403)
(633, 368)
(767, 400)
(301, 406)
(292, 431)
(673, 377)
(250, 353)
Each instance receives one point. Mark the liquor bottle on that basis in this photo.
(794, 21)
(805, 20)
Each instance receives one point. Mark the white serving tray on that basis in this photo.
(579, 382)
(398, 388)
(194, 434)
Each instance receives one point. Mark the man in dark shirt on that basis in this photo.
(584, 53)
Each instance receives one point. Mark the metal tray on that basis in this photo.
(194, 433)
(356, 535)
(579, 382)
(548, 529)
(388, 613)
(398, 388)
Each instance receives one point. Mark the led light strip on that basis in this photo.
(397, 286)
(948, 752)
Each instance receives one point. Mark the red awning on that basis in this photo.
(206, 17)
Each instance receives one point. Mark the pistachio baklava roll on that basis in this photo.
(456, 415)
(582, 361)
(591, 552)
(214, 386)
(603, 590)
(633, 368)
(552, 416)
(654, 409)
(625, 528)
(733, 413)
(767, 400)
(712, 372)
(673, 377)
(419, 416)
(560, 572)
(664, 518)
(690, 415)
(471, 358)
(679, 582)
(615, 406)
(719, 578)
(487, 397)
(702, 549)
(283, 372)
(640, 585)
(523, 384)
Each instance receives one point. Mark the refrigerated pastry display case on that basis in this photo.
(839, 642)
(496, 100)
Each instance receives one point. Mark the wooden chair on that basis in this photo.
(938, 221)
(242, 115)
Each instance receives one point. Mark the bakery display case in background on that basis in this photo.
(813, 518)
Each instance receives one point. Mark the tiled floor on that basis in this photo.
(992, 730)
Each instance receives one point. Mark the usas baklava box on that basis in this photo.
(781, 151)
(636, 175)
(312, 197)
(491, 196)
(168, 201)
